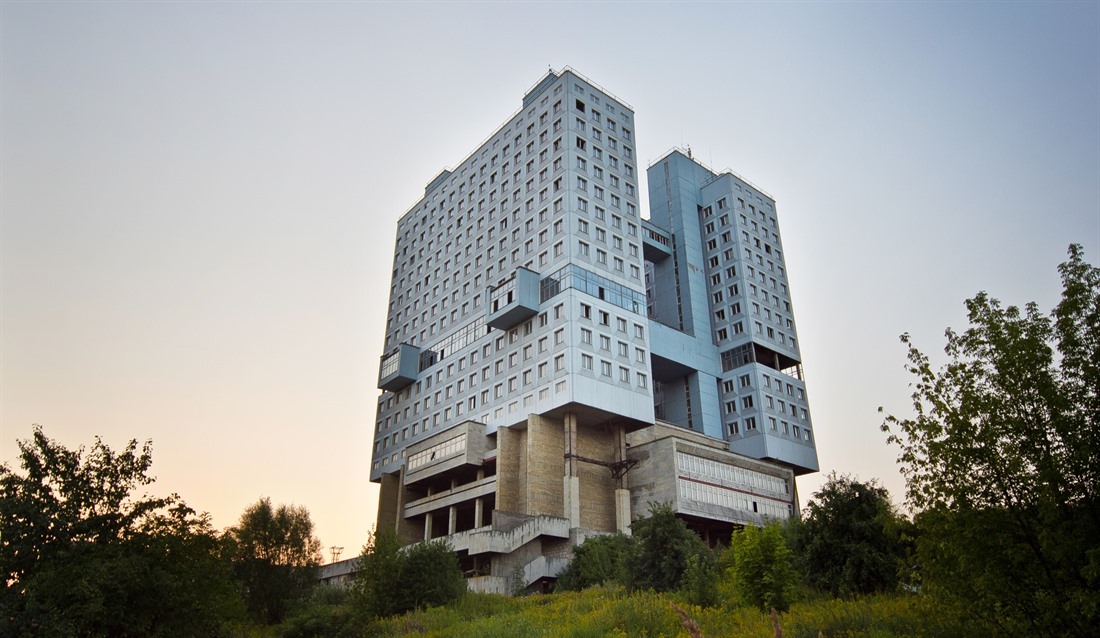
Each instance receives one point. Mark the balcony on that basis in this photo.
(656, 242)
(399, 368)
(514, 301)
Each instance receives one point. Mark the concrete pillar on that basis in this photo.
(452, 519)
(428, 526)
(390, 502)
(571, 483)
(622, 511)
(479, 507)
(622, 494)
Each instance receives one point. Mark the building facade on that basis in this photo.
(554, 362)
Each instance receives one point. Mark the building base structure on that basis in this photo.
(513, 503)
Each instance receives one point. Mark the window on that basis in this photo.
(605, 368)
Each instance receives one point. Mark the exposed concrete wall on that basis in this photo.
(656, 476)
(512, 479)
(545, 466)
(653, 479)
(388, 502)
(597, 484)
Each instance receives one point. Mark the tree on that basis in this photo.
(431, 575)
(378, 579)
(275, 555)
(761, 567)
(663, 546)
(392, 580)
(849, 540)
(83, 556)
(598, 560)
(1002, 461)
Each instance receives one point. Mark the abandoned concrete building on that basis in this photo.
(554, 362)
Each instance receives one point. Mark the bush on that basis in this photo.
(392, 580)
(849, 541)
(598, 560)
(700, 581)
(761, 567)
(663, 546)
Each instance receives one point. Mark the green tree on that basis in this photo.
(83, 556)
(701, 578)
(275, 557)
(761, 568)
(1002, 462)
(598, 560)
(663, 546)
(431, 575)
(392, 579)
(850, 538)
(378, 579)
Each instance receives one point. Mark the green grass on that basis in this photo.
(611, 611)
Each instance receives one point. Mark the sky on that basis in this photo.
(198, 201)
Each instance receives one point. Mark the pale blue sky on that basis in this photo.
(199, 199)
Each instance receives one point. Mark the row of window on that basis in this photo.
(749, 425)
(431, 235)
(438, 452)
(730, 475)
(722, 497)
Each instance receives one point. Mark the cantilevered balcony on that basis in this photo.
(656, 242)
(515, 300)
(399, 368)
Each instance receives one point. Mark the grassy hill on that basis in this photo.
(611, 611)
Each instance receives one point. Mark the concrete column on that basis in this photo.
(571, 483)
(428, 526)
(622, 511)
(622, 494)
(479, 512)
(452, 519)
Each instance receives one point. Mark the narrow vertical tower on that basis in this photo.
(720, 295)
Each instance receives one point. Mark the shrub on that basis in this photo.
(598, 560)
(663, 546)
(393, 580)
(761, 567)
